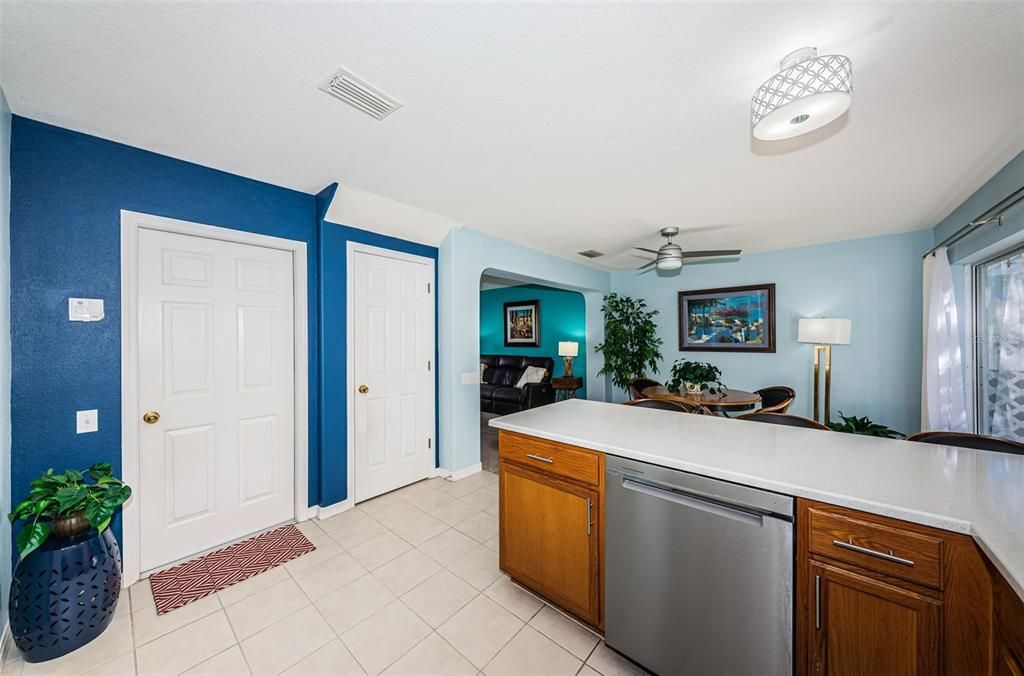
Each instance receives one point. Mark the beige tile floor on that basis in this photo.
(407, 583)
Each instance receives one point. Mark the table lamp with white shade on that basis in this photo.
(824, 332)
(567, 349)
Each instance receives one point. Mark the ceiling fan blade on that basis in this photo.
(647, 250)
(647, 265)
(713, 252)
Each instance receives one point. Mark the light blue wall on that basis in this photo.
(562, 317)
(463, 256)
(876, 282)
(5, 355)
(1006, 180)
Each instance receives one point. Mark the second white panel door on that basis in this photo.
(392, 372)
(216, 361)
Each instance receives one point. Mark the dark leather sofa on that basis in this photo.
(498, 391)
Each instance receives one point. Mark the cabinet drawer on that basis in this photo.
(877, 546)
(551, 457)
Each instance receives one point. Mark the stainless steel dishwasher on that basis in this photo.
(699, 573)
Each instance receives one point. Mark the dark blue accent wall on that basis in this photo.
(67, 192)
(334, 240)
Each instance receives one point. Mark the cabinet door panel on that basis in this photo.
(546, 541)
(861, 625)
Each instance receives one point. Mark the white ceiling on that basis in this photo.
(560, 126)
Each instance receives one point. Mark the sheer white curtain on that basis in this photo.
(943, 402)
(1008, 339)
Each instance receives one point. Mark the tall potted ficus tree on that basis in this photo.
(68, 579)
(631, 344)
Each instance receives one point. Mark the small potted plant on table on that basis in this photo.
(65, 588)
(696, 377)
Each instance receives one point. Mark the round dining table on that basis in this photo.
(727, 401)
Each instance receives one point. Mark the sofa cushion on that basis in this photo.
(509, 394)
(487, 390)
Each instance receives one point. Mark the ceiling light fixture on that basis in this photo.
(808, 92)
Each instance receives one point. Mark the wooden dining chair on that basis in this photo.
(783, 419)
(638, 385)
(964, 440)
(776, 399)
(664, 405)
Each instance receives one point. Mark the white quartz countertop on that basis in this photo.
(979, 493)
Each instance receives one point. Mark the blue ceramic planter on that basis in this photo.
(63, 595)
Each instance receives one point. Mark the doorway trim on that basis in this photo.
(350, 249)
(131, 223)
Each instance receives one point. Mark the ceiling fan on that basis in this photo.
(671, 256)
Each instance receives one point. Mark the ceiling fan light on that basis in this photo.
(670, 264)
(806, 94)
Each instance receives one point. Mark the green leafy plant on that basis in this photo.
(864, 426)
(631, 344)
(702, 374)
(95, 494)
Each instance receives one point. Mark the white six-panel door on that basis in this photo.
(392, 337)
(216, 361)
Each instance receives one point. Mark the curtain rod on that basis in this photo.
(992, 215)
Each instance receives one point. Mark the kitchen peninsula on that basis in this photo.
(922, 543)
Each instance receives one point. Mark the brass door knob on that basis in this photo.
(150, 417)
(363, 389)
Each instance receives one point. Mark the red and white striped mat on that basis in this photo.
(196, 579)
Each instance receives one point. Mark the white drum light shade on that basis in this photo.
(808, 92)
(568, 348)
(824, 331)
(670, 264)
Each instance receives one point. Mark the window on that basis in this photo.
(999, 345)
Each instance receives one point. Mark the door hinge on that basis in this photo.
(428, 287)
(428, 364)
(430, 442)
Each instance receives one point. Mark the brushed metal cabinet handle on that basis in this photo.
(541, 458)
(817, 601)
(590, 521)
(872, 552)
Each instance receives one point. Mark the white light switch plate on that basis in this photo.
(85, 309)
(470, 378)
(88, 421)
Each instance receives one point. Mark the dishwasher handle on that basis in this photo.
(694, 502)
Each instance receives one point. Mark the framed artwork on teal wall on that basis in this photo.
(733, 319)
(522, 323)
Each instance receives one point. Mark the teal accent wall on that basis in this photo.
(876, 282)
(5, 354)
(562, 317)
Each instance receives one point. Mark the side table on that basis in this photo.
(565, 388)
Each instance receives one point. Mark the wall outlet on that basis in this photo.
(87, 421)
(470, 378)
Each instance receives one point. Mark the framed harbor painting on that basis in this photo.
(733, 319)
(522, 323)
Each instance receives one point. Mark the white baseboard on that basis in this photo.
(441, 472)
(325, 512)
(466, 471)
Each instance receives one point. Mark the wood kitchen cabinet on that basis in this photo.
(865, 626)
(881, 596)
(1009, 633)
(550, 522)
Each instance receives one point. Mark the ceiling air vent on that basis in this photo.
(347, 87)
(591, 253)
